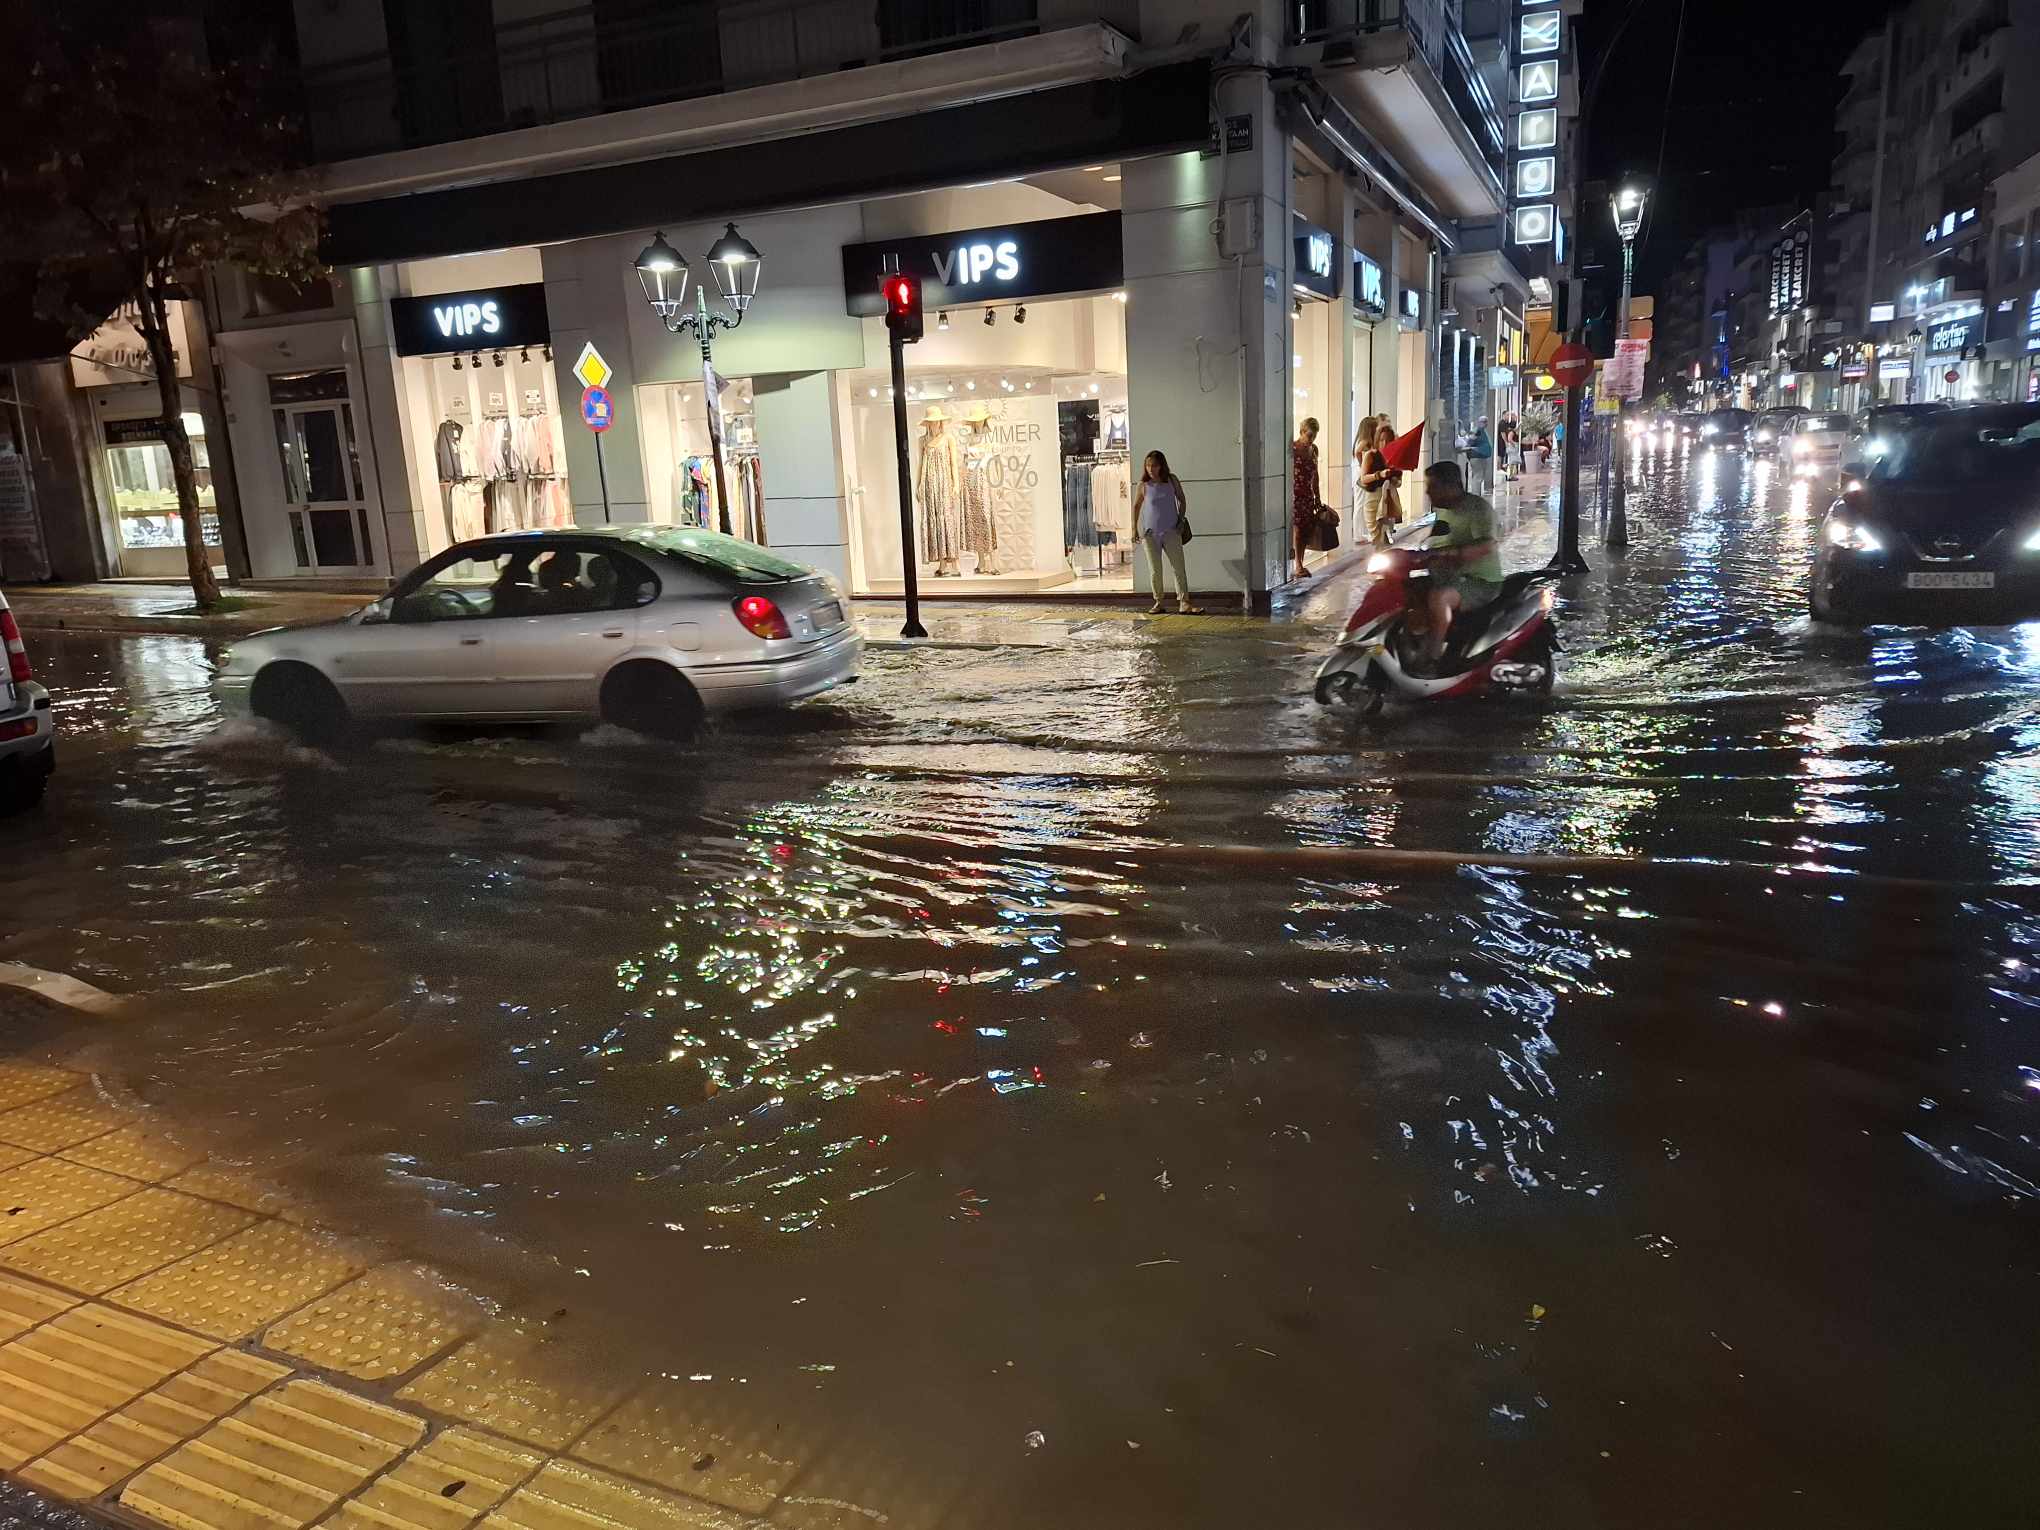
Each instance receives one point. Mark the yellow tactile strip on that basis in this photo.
(46, 1191)
(242, 1282)
(24, 1304)
(59, 1121)
(568, 1496)
(283, 1459)
(516, 1384)
(440, 1486)
(664, 1435)
(387, 1323)
(22, 1083)
(78, 1367)
(135, 1152)
(111, 1246)
(90, 1463)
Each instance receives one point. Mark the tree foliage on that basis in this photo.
(130, 159)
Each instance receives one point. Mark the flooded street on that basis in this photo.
(1624, 1107)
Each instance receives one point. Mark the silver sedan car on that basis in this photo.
(647, 627)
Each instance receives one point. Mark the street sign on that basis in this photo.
(1951, 375)
(1572, 364)
(1607, 401)
(590, 369)
(597, 413)
(1623, 376)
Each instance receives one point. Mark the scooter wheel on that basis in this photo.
(1336, 690)
(1377, 693)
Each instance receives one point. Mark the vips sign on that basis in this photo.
(1370, 288)
(489, 318)
(991, 265)
(1317, 259)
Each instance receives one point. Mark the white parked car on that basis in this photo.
(647, 627)
(28, 729)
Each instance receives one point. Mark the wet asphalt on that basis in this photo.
(1093, 1085)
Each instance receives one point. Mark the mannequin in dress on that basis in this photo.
(980, 532)
(938, 493)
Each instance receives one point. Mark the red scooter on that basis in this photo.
(1508, 644)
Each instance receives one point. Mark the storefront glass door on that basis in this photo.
(328, 507)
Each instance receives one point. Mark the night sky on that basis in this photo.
(1751, 117)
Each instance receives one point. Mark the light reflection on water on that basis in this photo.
(973, 1036)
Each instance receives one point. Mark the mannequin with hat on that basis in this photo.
(979, 530)
(938, 493)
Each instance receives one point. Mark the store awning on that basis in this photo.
(1160, 111)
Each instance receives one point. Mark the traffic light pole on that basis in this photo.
(896, 342)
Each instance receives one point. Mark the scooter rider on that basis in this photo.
(1464, 552)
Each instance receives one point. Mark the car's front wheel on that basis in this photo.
(1825, 603)
(299, 698)
(653, 699)
(23, 783)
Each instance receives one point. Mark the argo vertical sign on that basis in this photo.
(1533, 180)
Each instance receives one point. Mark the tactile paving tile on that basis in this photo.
(13, 1157)
(24, 1082)
(61, 1121)
(282, 1460)
(88, 1464)
(387, 1323)
(516, 1385)
(216, 1182)
(137, 1153)
(75, 1369)
(241, 1282)
(440, 1486)
(46, 1191)
(568, 1496)
(22, 1306)
(111, 1246)
(664, 1434)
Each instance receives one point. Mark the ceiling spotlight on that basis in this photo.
(990, 318)
(475, 361)
(548, 353)
(970, 383)
(1092, 169)
(1111, 177)
(952, 387)
(871, 392)
(524, 354)
(1119, 297)
(499, 358)
(943, 322)
(1094, 387)
(1030, 385)
(456, 363)
(1020, 313)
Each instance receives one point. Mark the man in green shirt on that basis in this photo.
(1467, 564)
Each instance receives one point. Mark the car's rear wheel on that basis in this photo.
(299, 698)
(652, 699)
(23, 783)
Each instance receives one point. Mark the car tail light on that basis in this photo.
(761, 617)
(17, 656)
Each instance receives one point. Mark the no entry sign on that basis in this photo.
(1572, 364)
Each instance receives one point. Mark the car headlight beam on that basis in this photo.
(1851, 536)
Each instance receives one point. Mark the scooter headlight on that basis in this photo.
(1380, 563)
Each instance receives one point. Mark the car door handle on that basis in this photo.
(614, 632)
(470, 642)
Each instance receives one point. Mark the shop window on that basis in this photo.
(681, 460)
(2011, 253)
(497, 450)
(145, 490)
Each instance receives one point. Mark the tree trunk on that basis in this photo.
(155, 327)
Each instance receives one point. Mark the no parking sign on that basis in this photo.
(597, 413)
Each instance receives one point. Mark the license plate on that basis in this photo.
(1951, 581)
(829, 614)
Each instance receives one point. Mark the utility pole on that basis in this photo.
(1629, 204)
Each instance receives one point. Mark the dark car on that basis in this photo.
(1945, 525)
(1882, 422)
(1726, 430)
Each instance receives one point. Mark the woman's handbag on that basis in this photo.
(1183, 526)
(1325, 530)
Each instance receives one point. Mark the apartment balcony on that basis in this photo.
(568, 64)
(1404, 70)
(1981, 63)
(1983, 138)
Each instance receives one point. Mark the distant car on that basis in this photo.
(1817, 443)
(1726, 429)
(28, 729)
(1768, 433)
(1881, 422)
(1944, 526)
(647, 627)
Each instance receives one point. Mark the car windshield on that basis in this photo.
(1998, 447)
(1814, 422)
(723, 555)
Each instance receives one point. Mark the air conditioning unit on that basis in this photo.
(1448, 297)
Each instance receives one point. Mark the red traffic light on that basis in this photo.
(902, 294)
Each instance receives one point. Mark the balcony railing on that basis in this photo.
(566, 64)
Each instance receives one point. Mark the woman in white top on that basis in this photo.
(1159, 507)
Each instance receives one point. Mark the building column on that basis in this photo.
(406, 480)
(1207, 325)
(589, 285)
(804, 510)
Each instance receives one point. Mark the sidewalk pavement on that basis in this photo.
(185, 1347)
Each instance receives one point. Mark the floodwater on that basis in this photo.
(1614, 1112)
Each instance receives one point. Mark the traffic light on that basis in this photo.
(902, 295)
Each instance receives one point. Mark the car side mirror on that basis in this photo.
(376, 613)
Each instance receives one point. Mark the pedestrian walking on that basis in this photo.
(1306, 499)
(1480, 457)
(1161, 521)
(1363, 443)
(1509, 446)
(1382, 504)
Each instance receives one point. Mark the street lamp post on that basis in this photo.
(662, 273)
(1627, 205)
(1912, 376)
